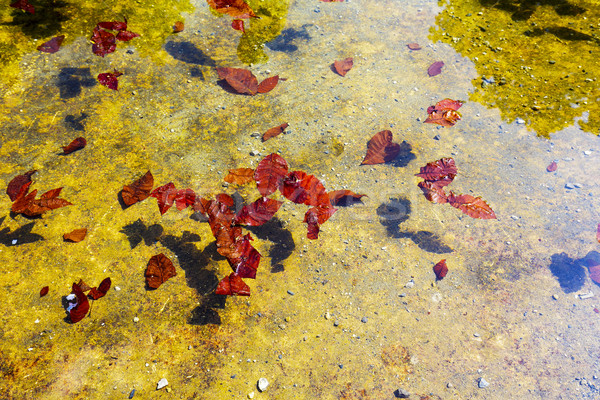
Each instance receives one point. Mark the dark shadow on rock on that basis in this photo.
(522, 10)
(196, 72)
(137, 232)
(73, 122)
(189, 53)
(569, 272)
(21, 235)
(288, 39)
(45, 22)
(206, 312)
(396, 211)
(404, 157)
(71, 80)
(283, 241)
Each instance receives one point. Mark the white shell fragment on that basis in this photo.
(162, 383)
(262, 384)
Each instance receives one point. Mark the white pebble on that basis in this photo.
(251, 395)
(136, 319)
(263, 383)
(162, 383)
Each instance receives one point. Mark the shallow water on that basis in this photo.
(334, 318)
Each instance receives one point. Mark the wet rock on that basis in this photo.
(401, 393)
(162, 383)
(262, 384)
(482, 383)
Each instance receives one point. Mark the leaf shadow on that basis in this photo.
(569, 272)
(19, 236)
(282, 239)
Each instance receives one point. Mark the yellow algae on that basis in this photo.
(536, 62)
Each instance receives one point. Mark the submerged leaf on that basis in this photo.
(342, 67)
(241, 80)
(258, 212)
(440, 269)
(474, 207)
(77, 144)
(240, 176)
(138, 190)
(435, 68)
(276, 131)
(165, 195)
(233, 8)
(381, 149)
(102, 289)
(52, 45)
(159, 270)
(76, 235)
(344, 197)
(233, 285)
(19, 184)
(270, 173)
(79, 312)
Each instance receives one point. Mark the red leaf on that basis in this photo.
(238, 25)
(178, 27)
(77, 144)
(440, 269)
(342, 67)
(52, 45)
(126, 36)
(443, 118)
(102, 289)
(595, 273)
(315, 217)
(435, 68)
(233, 8)
(113, 25)
(23, 5)
(268, 84)
(165, 195)
(159, 270)
(244, 260)
(413, 46)
(269, 173)
(380, 149)
(344, 197)
(474, 207)
(30, 206)
(79, 312)
(104, 42)
(258, 212)
(240, 176)
(433, 192)
(109, 79)
(138, 190)
(75, 236)
(185, 198)
(446, 104)
(19, 184)
(553, 166)
(44, 291)
(276, 131)
(233, 285)
(443, 169)
(301, 188)
(241, 80)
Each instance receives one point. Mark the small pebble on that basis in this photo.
(569, 185)
(132, 393)
(262, 384)
(162, 383)
(364, 320)
(437, 137)
(136, 319)
(584, 296)
(520, 121)
(410, 284)
(251, 395)
(336, 323)
(555, 296)
(254, 153)
(482, 383)
(14, 241)
(402, 393)
(290, 292)
(449, 385)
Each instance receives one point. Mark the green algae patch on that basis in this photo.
(536, 62)
(22, 33)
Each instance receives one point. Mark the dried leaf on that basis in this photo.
(443, 169)
(178, 27)
(270, 133)
(159, 270)
(44, 291)
(474, 207)
(109, 79)
(435, 68)
(83, 286)
(23, 5)
(240, 80)
(233, 8)
(302, 188)
(184, 198)
(342, 67)
(75, 236)
(238, 25)
(413, 46)
(77, 144)
(52, 45)
(380, 149)
(440, 269)
(138, 190)
(553, 166)
(19, 184)
(268, 84)
(240, 176)
(244, 260)
(79, 312)
(344, 197)
(433, 192)
(165, 195)
(270, 173)
(101, 290)
(32, 207)
(258, 212)
(233, 285)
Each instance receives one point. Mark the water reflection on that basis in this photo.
(535, 58)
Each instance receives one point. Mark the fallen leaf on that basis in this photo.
(238, 25)
(344, 197)
(52, 45)
(159, 270)
(268, 84)
(440, 269)
(184, 198)
(381, 149)
(435, 68)
(165, 195)
(342, 67)
(241, 80)
(444, 112)
(413, 46)
(44, 291)
(315, 217)
(23, 5)
(138, 190)
(233, 8)
(109, 79)
(28, 205)
(244, 260)
(258, 212)
(270, 173)
(433, 192)
(271, 133)
(446, 104)
(474, 207)
(178, 27)
(553, 166)
(83, 286)
(126, 36)
(105, 42)
(102, 289)
(77, 144)
(80, 310)
(233, 285)
(443, 170)
(302, 188)
(75, 236)
(240, 176)
(18, 184)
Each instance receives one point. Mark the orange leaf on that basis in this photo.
(274, 131)
(474, 207)
(234, 8)
(342, 67)
(240, 80)
(77, 144)
(240, 176)
(76, 235)
(178, 27)
(138, 190)
(413, 46)
(380, 149)
(268, 84)
(233, 285)
(440, 269)
(238, 25)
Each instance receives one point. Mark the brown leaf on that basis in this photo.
(440, 269)
(240, 80)
(413, 46)
(258, 212)
(435, 68)
(443, 169)
(433, 192)
(342, 67)
(101, 290)
(52, 45)
(268, 84)
(233, 8)
(77, 144)
(233, 285)
(178, 27)
(75, 236)
(274, 131)
(138, 190)
(79, 312)
(44, 291)
(344, 197)
(443, 117)
(380, 149)
(83, 286)
(18, 184)
(32, 207)
(474, 207)
(159, 270)
(270, 173)
(240, 176)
